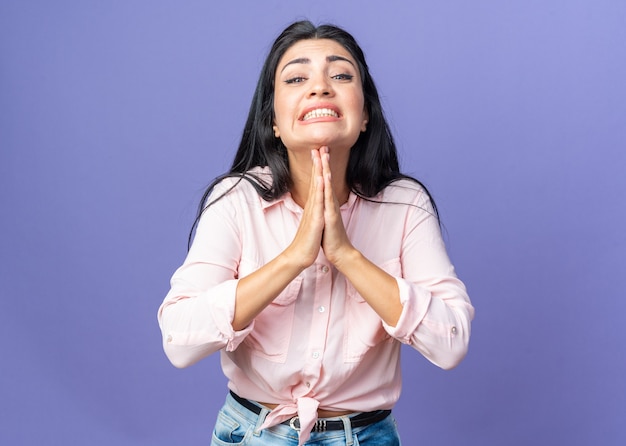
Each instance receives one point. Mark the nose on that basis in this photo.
(320, 87)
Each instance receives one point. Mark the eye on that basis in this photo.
(343, 77)
(295, 80)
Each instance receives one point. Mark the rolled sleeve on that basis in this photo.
(196, 327)
(415, 302)
(223, 312)
(437, 324)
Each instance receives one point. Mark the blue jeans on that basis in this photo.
(237, 425)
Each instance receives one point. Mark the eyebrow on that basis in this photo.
(306, 60)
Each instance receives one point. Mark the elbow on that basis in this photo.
(457, 348)
(178, 362)
(456, 342)
(180, 357)
(450, 354)
(453, 358)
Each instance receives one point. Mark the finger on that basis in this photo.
(314, 169)
(314, 179)
(317, 162)
(313, 216)
(317, 179)
(329, 195)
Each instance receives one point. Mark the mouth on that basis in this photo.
(320, 113)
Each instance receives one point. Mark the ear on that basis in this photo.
(365, 120)
(276, 131)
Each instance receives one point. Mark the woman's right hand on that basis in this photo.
(259, 289)
(305, 247)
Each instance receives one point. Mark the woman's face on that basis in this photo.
(318, 97)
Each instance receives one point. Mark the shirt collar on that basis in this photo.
(287, 200)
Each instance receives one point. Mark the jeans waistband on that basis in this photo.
(322, 424)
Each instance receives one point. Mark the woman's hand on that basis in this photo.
(321, 223)
(321, 226)
(257, 290)
(305, 246)
(335, 241)
(377, 287)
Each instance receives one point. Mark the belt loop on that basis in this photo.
(347, 428)
(260, 420)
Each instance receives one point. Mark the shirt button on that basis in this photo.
(169, 338)
(324, 269)
(453, 331)
(316, 355)
(321, 309)
(308, 385)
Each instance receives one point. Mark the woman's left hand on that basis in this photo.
(377, 287)
(335, 241)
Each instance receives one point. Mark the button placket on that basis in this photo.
(319, 324)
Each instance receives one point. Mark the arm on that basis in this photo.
(257, 290)
(195, 315)
(376, 286)
(437, 314)
(425, 305)
(209, 307)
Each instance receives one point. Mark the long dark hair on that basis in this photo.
(373, 161)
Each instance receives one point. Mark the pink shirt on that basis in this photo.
(319, 343)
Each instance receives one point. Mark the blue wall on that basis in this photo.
(114, 116)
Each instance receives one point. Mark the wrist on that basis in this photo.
(289, 260)
(346, 259)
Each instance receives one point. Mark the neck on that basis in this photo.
(301, 167)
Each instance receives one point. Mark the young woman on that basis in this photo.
(314, 259)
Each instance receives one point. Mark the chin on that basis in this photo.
(313, 142)
(332, 142)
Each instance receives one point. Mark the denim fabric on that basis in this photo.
(236, 425)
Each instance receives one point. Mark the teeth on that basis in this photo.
(320, 113)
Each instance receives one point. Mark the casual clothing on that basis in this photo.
(319, 344)
(238, 425)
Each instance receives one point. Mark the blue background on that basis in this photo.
(114, 115)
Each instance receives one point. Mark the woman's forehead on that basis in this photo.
(308, 48)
